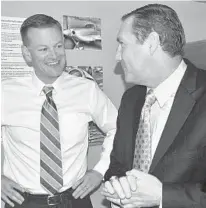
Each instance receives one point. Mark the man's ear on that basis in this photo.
(26, 55)
(153, 42)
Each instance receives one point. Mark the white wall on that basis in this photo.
(192, 15)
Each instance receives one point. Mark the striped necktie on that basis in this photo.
(143, 146)
(50, 147)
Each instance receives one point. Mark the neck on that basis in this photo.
(46, 79)
(173, 63)
(167, 66)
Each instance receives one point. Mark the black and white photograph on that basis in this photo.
(82, 33)
(103, 104)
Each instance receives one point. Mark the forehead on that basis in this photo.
(44, 35)
(125, 32)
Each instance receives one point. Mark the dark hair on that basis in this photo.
(164, 21)
(37, 21)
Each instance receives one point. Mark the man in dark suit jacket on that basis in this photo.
(151, 49)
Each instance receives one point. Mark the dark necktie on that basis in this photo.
(50, 147)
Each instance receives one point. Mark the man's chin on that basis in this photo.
(129, 79)
(58, 72)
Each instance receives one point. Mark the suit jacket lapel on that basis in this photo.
(181, 108)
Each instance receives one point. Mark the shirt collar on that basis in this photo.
(169, 86)
(38, 84)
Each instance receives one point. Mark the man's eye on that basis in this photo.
(43, 49)
(59, 46)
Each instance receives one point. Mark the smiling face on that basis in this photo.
(45, 51)
(135, 58)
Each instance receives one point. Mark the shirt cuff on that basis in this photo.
(114, 206)
(160, 206)
(103, 164)
(101, 168)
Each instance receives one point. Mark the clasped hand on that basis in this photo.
(136, 189)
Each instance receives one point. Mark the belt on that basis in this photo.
(45, 199)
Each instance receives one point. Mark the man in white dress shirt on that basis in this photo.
(159, 153)
(54, 107)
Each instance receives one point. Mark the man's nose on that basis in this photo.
(53, 54)
(118, 54)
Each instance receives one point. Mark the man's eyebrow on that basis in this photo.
(37, 47)
(60, 42)
(41, 45)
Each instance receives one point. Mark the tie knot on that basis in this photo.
(48, 90)
(150, 98)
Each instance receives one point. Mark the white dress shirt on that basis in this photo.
(78, 101)
(165, 93)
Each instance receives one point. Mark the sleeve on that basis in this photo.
(104, 114)
(188, 194)
(2, 103)
(116, 168)
(2, 111)
(184, 195)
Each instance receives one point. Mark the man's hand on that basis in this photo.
(116, 189)
(122, 187)
(8, 192)
(148, 193)
(110, 194)
(87, 184)
(137, 189)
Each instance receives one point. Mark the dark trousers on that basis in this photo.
(61, 200)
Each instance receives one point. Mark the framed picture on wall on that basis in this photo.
(82, 33)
